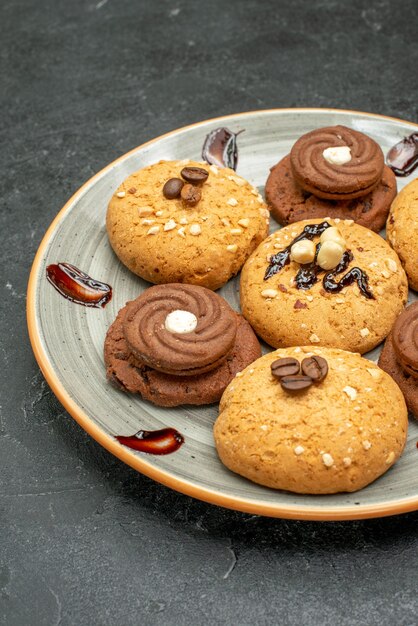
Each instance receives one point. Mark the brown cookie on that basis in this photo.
(289, 203)
(324, 175)
(405, 339)
(407, 383)
(185, 353)
(168, 390)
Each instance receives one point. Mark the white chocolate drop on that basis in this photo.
(338, 155)
(180, 322)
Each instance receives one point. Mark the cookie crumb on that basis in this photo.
(366, 444)
(183, 220)
(232, 248)
(121, 194)
(153, 230)
(225, 221)
(299, 450)
(385, 274)
(314, 338)
(364, 332)
(346, 461)
(158, 213)
(180, 232)
(244, 222)
(265, 212)
(235, 231)
(232, 202)
(350, 392)
(309, 298)
(327, 460)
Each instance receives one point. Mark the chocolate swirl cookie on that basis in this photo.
(405, 339)
(334, 175)
(194, 349)
(399, 357)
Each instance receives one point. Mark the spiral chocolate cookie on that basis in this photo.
(339, 433)
(180, 329)
(187, 222)
(399, 356)
(290, 203)
(181, 355)
(402, 230)
(331, 283)
(337, 163)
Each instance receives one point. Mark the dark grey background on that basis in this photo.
(85, 539)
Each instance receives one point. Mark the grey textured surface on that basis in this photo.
(85, 539)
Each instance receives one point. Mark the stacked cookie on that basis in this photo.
(178, 344)
(336, 172)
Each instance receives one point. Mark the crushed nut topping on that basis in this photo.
(327, 460)
(170, 225)
(350, 392)
(195, 229)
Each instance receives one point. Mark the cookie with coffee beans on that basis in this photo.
(399, 356)
(185, 221)
(338, 433)
(333, 171)
(178, 344)
(323, 282)
(402, 230)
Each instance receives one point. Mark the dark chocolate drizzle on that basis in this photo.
(164, 441)
(307, 275)
(220, 148)
(77, 286)
(402, 158)
(282, 258)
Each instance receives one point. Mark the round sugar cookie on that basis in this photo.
(166, 240)
(285, 315)
(337, 435)
(402, 230)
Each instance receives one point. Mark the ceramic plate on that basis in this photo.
(68, 339)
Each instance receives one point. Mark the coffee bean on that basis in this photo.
(285, 367)
(296, 383)
(195, 175)
(172, 188)
(190, 195)
(315, 367)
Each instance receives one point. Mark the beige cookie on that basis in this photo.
(337, 435)
(168, 240)
(356, 318)
(402, 230)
